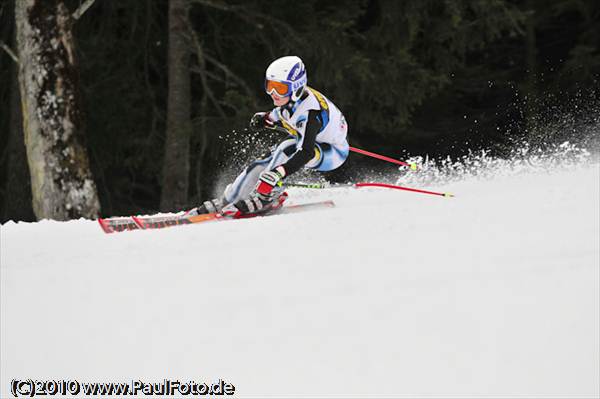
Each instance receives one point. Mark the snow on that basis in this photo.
(493, 293)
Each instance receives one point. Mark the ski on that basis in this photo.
(118, 224)
(296, 208)
(160, 222)
(128, 223)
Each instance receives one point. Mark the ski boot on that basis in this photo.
(212, 206)
(255, 205)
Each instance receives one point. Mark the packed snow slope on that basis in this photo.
(493, 293)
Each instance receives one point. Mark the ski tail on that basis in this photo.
(297, 208)
(118, 224)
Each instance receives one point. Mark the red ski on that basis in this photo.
(120, 224)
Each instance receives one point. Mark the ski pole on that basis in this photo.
(412, 166)
(320, 186)
(358, 185)
(311, 185)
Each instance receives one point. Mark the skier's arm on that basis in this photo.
(307, 152)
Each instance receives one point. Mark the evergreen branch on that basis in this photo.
(251, 16)
(82, 9)
(216, 4)
(8, 50)
(211, 75)
(230, 73)
(202, 72)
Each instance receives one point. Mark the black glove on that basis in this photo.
(261, 120)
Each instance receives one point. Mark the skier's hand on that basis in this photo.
(261, 120)
(269, 180)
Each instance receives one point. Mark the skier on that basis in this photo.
(317, 140)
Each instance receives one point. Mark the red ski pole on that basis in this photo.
(358, 185)
(321, 186)
(412, 166)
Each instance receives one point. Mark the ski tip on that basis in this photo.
(449, 195)
(413, 166)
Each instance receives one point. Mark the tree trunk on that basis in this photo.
(17, 189)
(61, 180)
(17, 200)
(176, 167)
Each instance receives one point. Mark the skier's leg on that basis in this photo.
(251, 202)
(329, 157)
(243, 185)
(246, 182)
(282, 153)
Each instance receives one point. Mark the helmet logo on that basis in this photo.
(296, 72)
(298, 83)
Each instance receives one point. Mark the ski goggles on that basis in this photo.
(282, 89)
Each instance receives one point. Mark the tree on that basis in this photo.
(176, 167)
(61, 180)
(16, 202)
(17, 199)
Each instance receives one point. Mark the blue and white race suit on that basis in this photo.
(318, 140)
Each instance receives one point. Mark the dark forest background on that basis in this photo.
(434, 77)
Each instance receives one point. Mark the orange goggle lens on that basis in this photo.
(282, 89)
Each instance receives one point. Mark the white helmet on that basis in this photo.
(287, 77)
